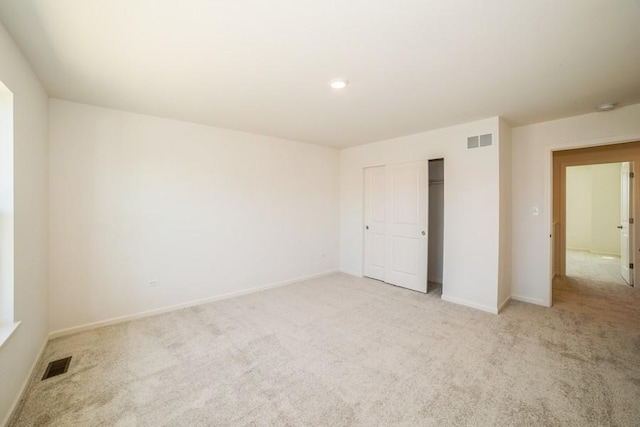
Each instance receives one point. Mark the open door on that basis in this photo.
(626, 218)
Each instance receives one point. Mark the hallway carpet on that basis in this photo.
(584, 265)
(343, 351)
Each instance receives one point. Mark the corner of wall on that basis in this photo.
(505, 227)
(20, 354)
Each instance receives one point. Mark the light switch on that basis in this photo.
(535, 211)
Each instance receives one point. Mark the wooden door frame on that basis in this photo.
(598, 154)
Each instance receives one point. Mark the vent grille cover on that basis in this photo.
(480, 141)
(57, 367)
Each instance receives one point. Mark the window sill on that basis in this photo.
(6, 331)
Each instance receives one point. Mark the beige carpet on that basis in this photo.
(340, 351)
(584, 265)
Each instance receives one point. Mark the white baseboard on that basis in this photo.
(504, 303)
(461, 301)
(18, 398)
(595, 252)
(128, 317)
(577, 249)
(529, 300)
(351, 273)
(615, 254)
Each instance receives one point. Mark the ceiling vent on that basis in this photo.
(480, 141)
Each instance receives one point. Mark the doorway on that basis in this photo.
(597, 222)
(599, 155)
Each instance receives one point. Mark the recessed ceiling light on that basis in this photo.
(338, 83)
(606, 107)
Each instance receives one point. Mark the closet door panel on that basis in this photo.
(406, 225)
(375, 244)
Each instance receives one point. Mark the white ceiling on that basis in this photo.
(264, 66)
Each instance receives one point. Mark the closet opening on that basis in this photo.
(436, 225)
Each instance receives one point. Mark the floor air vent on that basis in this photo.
(57, 367)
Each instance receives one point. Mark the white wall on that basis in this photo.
(593, 208)
(605, 199)
(471, 199)
(579, 203)
(18, 354)
(532, 147)
(204, 211)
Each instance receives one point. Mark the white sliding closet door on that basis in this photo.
(375, 185)
(397, 229)
(407, 226)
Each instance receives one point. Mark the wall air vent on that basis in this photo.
(480, 141)
(57, 367)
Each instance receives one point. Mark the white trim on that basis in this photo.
(16, 402)
(128, 317)
(351, 273)
(504, 303)
(595, 252)
(606, 253)
(536, 301)
(464, 302)
(571, 248)
(6, 332)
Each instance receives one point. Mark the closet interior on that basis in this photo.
(436, 223)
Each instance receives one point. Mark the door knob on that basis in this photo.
(423, 233)
(620, 227)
